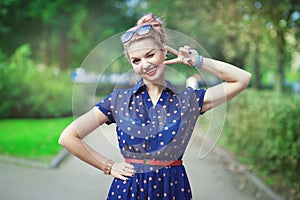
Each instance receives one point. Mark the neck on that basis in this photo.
(156, 87)
(155, 90)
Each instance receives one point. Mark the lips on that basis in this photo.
(151, 71)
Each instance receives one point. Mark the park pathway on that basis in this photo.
(74, 180)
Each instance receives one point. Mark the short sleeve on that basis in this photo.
(200, 98)
(105, 106)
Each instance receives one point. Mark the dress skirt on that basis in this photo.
(166, 183)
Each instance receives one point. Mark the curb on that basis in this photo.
(31, 163)
(248, 181)
(22, 161)
(59, 158)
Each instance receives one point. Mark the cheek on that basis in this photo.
(160, 59)
(162, 67)
(137, 69)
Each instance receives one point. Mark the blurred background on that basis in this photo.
(43, 44)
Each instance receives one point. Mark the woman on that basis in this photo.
(154, 120)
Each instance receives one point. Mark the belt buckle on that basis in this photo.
(145, 162)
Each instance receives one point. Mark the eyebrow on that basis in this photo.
(147, 53)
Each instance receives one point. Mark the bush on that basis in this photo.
(31, 90)
(264, 126)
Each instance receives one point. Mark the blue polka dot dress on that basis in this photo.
(153, 132)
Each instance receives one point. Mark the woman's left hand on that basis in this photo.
(122, 170)
(185, 55)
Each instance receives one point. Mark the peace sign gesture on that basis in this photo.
(185, 55)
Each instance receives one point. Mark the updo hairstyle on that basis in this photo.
(157, 34)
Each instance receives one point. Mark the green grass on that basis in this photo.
(31, 138)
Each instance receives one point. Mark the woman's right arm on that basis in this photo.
(71, 138)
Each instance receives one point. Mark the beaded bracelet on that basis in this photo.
(108, 167)
(200, 61)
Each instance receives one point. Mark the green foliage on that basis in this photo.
(264, 126)
(31, 90)
(244, 33)
(241, 32)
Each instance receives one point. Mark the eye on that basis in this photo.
(150, 55)
(136, 61)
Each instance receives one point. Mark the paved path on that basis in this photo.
(75, 180)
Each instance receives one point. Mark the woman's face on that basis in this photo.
(147, 60)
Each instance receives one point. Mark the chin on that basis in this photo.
(154, 79)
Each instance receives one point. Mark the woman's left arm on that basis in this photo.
(236, 80)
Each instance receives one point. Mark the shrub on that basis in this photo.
(264, 126)
(31, 90)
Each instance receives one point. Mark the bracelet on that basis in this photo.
(108, 167)
(200, 61)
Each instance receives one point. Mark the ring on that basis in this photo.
(190, 61)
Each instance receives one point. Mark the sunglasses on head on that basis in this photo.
(143, 30)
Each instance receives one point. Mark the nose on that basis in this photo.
(145, 63)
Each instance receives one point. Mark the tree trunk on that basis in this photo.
(240, 59)
(47, 53)
(280, 75)
(257, 72)
(63, 48)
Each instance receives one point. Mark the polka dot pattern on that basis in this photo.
(158, 132)
(166, 183)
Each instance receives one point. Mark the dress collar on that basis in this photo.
(140, 84)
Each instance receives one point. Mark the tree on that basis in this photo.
(279, 20)
(61, 32)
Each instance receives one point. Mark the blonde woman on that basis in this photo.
(154, 120)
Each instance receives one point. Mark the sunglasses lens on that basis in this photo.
(143, 29)
(140, 31)
(126, 36)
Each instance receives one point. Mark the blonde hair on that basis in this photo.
(156, 24)
(157, 34)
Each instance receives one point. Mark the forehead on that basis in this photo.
(142, 47)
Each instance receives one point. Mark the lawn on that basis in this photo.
(31, 138)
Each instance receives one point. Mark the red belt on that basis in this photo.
(155, 162)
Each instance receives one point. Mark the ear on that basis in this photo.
(165, 53)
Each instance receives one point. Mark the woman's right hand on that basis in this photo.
(122, 170)
(185, 55)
